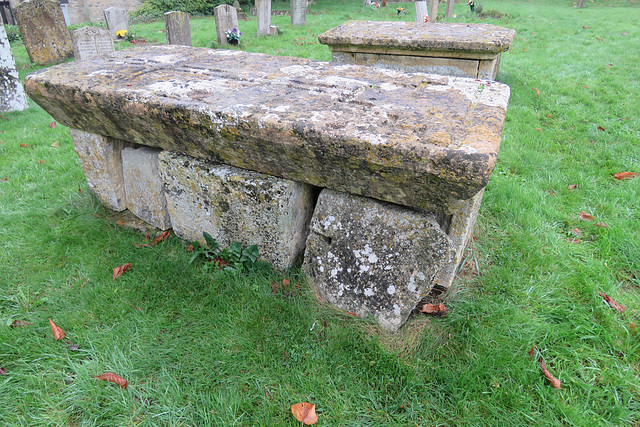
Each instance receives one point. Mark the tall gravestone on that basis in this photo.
(421, 11)
(12, 97)
(263, 10)
(91, 41)
(43, 31)
(177, 28)
(433, 11)
(117, 19)
(298, 12)
(449, 11)
(226, 18)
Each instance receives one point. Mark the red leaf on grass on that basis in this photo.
(438, 310)
(305, 412)
(190, 248)
(537, 91)
(285, 283)
(162, 236)
(18, 323)
(2, 371)
(585, 216)
(58, 333)
(612, 302)
(118, 271)
(53, 125)
(532, 351)
(114, 378)
(600, 224)
(601, 128)
(626, 175)
(555, 383)
(572, 187)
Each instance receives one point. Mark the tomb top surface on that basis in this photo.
(417, 140)
(478, 38)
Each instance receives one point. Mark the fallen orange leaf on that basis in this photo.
(532, 351)
(600, 224)
(114, 378)
(190, 248)
(162, 236)
(555, 383)
(285, 283)
(612, 302)
(17, 323)
(58, 333)
(572, 187)
(438, 310)
(118, 271)
(585, 216)
(537, 91)
(305, 412)
(626, 175)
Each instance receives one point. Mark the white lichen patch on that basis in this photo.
(298, 70)
(166, 59)
(485, 92)
(180, 88)
(368, 292)
(389, 86)
(101, 73)
(343, 82)
(391, 290)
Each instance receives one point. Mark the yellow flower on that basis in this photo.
(121, 33)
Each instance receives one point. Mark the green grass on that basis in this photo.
(222, 349)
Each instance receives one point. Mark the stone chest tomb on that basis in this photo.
(363, 169)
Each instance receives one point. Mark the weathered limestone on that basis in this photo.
(43, 31)
(471, 50)
(91, 41)
(177, 28)
(263, 8)
(102, 164)
(236, 205)
(12, 97)
(226, 18)
(373, 258)
(449, 11)
(298, 12)
(117, 19)
(417, 140)
(143, 187)
(422, 12)
(433, 11)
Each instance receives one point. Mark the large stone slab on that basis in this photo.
(418, 140)
(12, 97)
(236, 205)
(143, 186)
(374, 258)
(101, 159)
(43, 31)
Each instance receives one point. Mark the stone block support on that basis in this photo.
(143, 187)
(236, 205)
(374, 258)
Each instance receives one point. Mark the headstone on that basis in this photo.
(226, 18)
(264, 17)
(91, 41)
(433, 11)
(177, 28)
(581, 3)
(44, 31)
(236, 4)
(421, 11)
(298, 12)
(12, 97)
(273, 30)
(117, 19)
(449, 11)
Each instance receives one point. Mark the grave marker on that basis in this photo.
(177, 27)
(12, 97)
(117, 19)
(449, 11)
(44, 31)
(433, 11)
(298, 12)
(91, 41)
(226, 18)
(421, 11)
(263, 9)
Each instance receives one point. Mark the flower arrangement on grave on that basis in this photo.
(121, 34)
(400, 10)
(425, 18)
(233, 35)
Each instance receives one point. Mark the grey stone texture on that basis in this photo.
(418, 140)
(177, 28)
(372, 258)
(226, 18)
(143, 186)
(236, 205)
(43, 31)
(471, 50)
(117, 19)
(101, 161)
(12, 96)
(91, 41)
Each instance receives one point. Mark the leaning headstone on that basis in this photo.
(177, 27)
(226, 18)
(421, 11)
(449, 11)
(298, 12)
(264, 17)
(433, 11)
(44, 31)
(12, 97)
(117, 19)
(91, 41)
